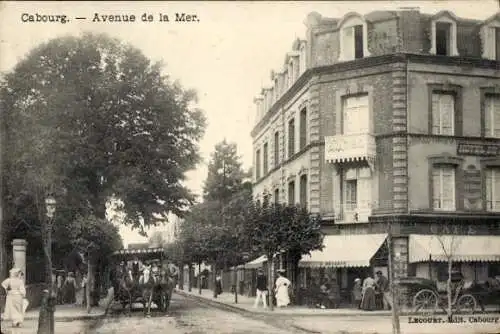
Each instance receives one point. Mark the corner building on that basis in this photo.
(390, 118)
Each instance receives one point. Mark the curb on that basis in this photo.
(216, 303)
(68, 318)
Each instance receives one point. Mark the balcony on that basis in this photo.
(345, 148)
(352, 214)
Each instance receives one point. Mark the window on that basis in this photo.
(353, 42)
(443, 113)
(443, 187)
(356, 188)
(257, 164)
(355, 115)
(276, 196)
(265, 158)
(291, 138)
(276, 148)
(351, 197)
(291, 192)
(493, 189)
(265, 199)
(490, 36)
(444, 35)
(303, 190)
(443, 38)
(492, 115)
(303, 128)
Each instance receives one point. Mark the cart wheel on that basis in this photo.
(466, 304)
(425, 301)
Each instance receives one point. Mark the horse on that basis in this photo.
(123, 287)
(157, 287)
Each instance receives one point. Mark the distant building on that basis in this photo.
(138, 245)
(392, 117)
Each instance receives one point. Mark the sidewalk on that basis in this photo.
(69, 313)
(246, 304)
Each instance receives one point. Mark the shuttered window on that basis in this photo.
(291, 193)
(265, 158)
(257, 164)
(443, 187)
(303, 190)
(291, 138)
(492, 116)
(493, 189)
(356, 118)
(443, 114)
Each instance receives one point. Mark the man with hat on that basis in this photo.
(382, 290)
(262, 291)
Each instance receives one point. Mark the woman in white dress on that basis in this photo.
(281, 289)
(16, 292)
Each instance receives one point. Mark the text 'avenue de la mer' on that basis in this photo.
(145, 17)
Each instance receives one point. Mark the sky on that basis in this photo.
(226, 55)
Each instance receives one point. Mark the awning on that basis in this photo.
(140, 251)
(352, 250)
(257, 263)
(464, 248)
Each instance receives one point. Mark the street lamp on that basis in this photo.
(46, 318)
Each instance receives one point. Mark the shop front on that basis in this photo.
(477, 257)
(343, 259)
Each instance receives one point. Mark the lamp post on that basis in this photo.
(46, 318)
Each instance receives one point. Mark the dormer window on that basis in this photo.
(302, 56)
(444, 35)
(353, 38)
(490, 37)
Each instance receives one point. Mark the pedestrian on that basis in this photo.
(14, 302)
(70, 289)
(137, 267)
(261, 291)
(368, 298)
(282, 286)
(218, 285)
(357, 293)
(59, 287)
(382, 288)
(84, 288)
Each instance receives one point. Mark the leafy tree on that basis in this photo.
(114, 124)
(225, 173)
(278, 228)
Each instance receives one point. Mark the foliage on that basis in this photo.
(277, 228)
(225, 174)
(95, 235)
(103, 121)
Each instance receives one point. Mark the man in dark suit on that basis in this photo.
(383, 289)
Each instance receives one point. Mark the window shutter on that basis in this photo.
(496, 190)
(489, 189)
(496, 115)
(447, 106)
(490, 42)
(448, 188)
(488, 119)
(348, 43)
(436, 188)
(364, 188)
(436, 117)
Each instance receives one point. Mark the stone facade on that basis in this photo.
(401, 65)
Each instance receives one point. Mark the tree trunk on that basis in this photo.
(181, 276)
(270, 282)
(214, 278)
(396, 325)
(199, 278)
(294, 272)
(190, 277)
(449, 309)
(90, 284)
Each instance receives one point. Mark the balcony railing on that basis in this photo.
(343, 148)
(352, 213)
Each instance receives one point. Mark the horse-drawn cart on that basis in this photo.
(427, 298)
(154, 285)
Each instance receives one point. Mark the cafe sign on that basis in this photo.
(488, 150)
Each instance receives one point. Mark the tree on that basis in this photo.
(225, 174)
(98, 238)
(278, 228)
(121, 128)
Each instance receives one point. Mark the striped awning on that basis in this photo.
(462, 248)
(256, 263)
(140, 251)
(343, 251)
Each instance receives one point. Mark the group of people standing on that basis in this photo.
(67, 287)
(282, 288)
(372, 294)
